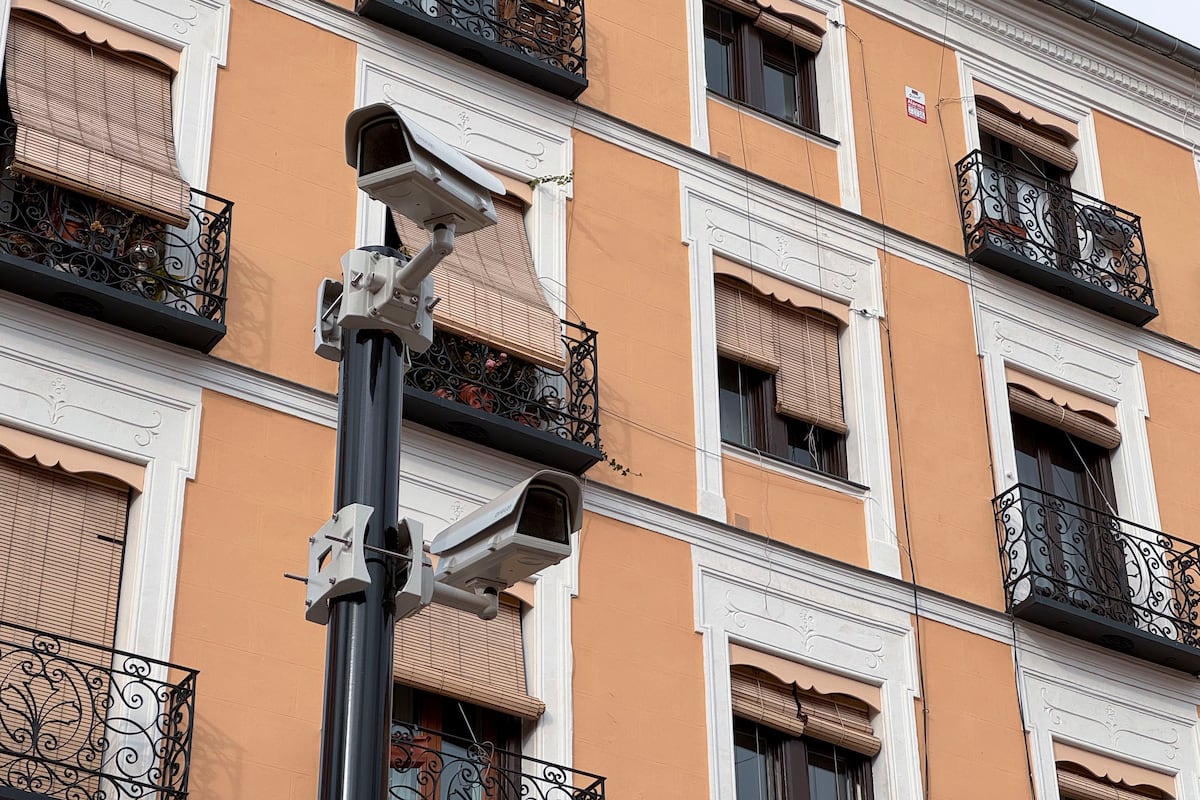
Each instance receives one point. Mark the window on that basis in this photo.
(765, 61)
(784, 741)
(1069, 503)
(779, 378)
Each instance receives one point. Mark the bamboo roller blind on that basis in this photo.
(761, 698)
(93, 120)
(1075, 786)
(489, 287)
(1027, 404)
(1027, 137)
(775, 24)
(799, 345)
(457, 654)
(61, 541)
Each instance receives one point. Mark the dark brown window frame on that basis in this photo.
(751, 52)
(788, 762)
(770, 433)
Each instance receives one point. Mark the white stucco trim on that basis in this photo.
(754, 606)
(790, 241)
(100, 398)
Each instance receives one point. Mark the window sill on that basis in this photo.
(811, 135)
(783, 467)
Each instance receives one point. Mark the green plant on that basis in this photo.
(617, 466)
(558, 180)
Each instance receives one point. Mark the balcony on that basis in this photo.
(84, 722)
(428, 765)
(90, 257)
(1086, 573)
(1072, 245)
(479, 393)
(540, 42)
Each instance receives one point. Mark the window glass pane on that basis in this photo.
(718, 62)
(779, 92)
(734, 402)
(803, 446)
(830, 776)
(751, 761)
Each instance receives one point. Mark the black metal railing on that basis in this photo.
(1087, 559)
(429, 765)
(183, 268)
(84, 722)
(549, 31)
(562, 402)
(1051, 225)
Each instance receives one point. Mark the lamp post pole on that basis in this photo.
(356, 720)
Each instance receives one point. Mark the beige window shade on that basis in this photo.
(456, 654)
(1023, 402)
(805, 677)
(50, 453)
(800, 346)
(1027, 137)
(761, 697)
(93, 120)
(1024, 109)
(61, 540)
(1111, 770)
(1073, 785)
(793, 28)
(489, 287)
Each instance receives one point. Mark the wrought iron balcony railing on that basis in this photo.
(429, 765)
(1058, 239)
(83, 722)
(538, 41)
(480, 392)
(1105, 579)
(94, 258)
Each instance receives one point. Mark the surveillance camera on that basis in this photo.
(524, 530)
(412, 171)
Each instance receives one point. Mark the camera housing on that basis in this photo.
(521, 532)
(404, 166)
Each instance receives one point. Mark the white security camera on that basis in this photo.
(524, 530)
(413, 172)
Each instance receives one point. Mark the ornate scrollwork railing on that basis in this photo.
(428, 765)
(1059, 550)
(182, 268)
(1052, 225)
(83, 722)
(563, 403)
(550, 31)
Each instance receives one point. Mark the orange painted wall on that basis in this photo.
(1169, 205)
(773, 151)
(639, 665)
(637, 65)
(1174, 441)
(284, 167)
(905, 161)
(942, 433)
(796, 512)
(968, 729)
(264, 482)
(628, 273)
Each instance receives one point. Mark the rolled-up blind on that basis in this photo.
(1074, 785)
(761, 697)
(457, 654)
(61, 542)
(794, 30)
(94, 120)
(489, 287)
(1027, 138)
(800, 346)
(1023, 402)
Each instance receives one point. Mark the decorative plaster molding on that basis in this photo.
(754, 606)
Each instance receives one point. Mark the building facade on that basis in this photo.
(867, 324)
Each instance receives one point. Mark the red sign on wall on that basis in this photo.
(916, 104)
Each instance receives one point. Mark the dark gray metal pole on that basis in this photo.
(356, 723)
